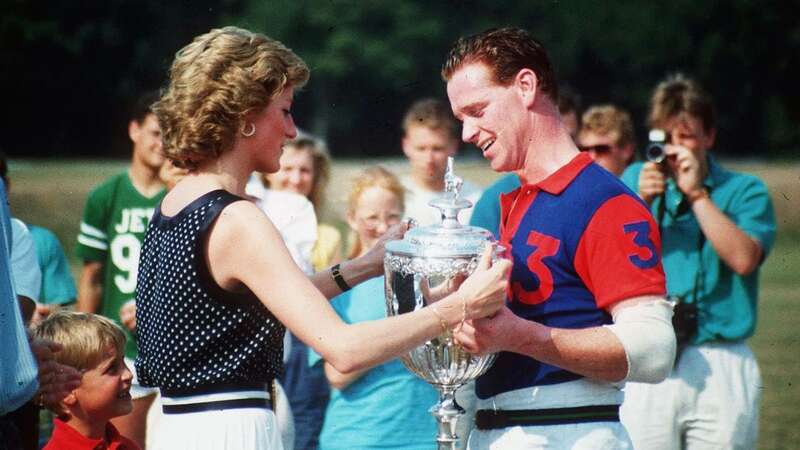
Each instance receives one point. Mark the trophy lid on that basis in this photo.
(449, 238)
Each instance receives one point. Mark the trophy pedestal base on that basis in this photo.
(447, 413)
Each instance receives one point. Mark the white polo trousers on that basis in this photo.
(578, 436)
(710, 401)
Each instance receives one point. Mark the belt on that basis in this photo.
(216, 398)
(217, 405)
(492, 419)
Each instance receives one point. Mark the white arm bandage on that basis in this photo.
(645, 331)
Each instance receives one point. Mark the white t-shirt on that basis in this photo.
(293, 215)
(25, 269)
(417, 202)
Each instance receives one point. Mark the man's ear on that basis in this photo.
(628, 150)
(134, 130)
(65, 406)
(405, 145)
(70, 399)
(527, 83)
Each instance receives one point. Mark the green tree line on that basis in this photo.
(71, 69)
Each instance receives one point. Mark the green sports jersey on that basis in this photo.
(112, 230)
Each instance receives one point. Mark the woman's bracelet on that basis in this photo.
(442, 322)
(337, 277)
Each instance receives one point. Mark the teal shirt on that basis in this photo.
(387, 407)
(58, 287)
(727, 302)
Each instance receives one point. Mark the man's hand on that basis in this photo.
(56, 380)
(685, 168)
(42, 312)
(488, 335)
(652, 181)
(127, 315)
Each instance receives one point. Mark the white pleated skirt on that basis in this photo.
(227, 429)
(231, 429)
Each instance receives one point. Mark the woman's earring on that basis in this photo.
(249, 129)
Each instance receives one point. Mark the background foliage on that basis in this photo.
(71, 68)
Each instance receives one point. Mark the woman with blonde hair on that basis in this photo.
(386, 406)
(216, 284)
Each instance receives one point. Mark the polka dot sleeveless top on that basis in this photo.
(194, 336)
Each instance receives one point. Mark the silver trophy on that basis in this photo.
(429, 263)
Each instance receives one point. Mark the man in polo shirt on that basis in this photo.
(717, 227)
(586, 308)
(486, 212)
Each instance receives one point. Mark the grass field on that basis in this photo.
(51, 193)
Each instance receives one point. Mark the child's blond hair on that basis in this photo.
(372, 177)
(85, 337)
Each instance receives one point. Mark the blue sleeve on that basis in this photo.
(18, 369)
(58, 287)
(752, 211)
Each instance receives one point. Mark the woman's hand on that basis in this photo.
(374, 256)
(127, 315)
(484, 291)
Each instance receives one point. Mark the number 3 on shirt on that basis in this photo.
(641, 238)
(543, 246)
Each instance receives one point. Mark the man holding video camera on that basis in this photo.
(717, 227)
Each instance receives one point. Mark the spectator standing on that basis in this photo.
(385, 407)
(430, 136)
(607, 135)
(718, 227)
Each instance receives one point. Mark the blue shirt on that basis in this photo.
(387, 407)
(727, 302)
(18, 369)
(58, 287)
(486, 213)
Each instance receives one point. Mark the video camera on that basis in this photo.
(655, 151)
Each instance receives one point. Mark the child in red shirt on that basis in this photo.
(94, 345)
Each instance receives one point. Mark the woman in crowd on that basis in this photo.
(386, 406)
(216, 284)
(305, 170)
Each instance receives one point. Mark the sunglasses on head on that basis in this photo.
(602, 148)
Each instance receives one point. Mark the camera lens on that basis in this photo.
(655, 152)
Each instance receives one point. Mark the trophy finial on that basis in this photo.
(452, 183)
(450, 204)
